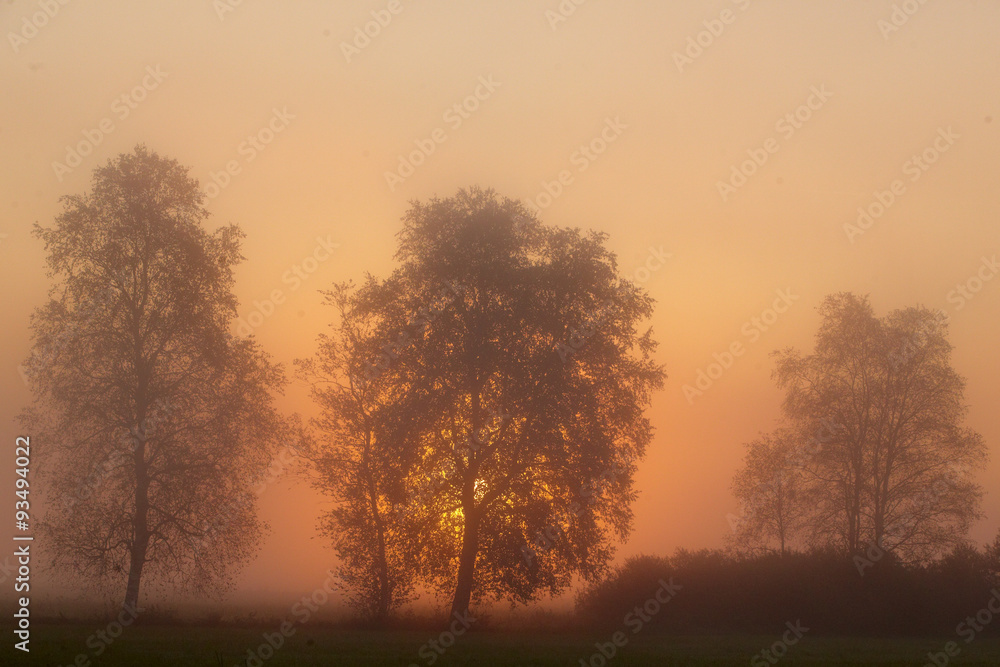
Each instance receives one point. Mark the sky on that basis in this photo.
(758, 155)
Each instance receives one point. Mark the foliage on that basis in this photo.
(875, 418)
(154, 421)
(518, 382)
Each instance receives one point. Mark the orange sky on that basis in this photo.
(669, 120)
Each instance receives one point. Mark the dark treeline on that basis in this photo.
(824, 590)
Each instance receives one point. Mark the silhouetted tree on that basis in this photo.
(895, 473)
(524, 382)
(769, 490)
(154, 419)
(355, 461)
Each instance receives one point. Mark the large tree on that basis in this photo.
(896, 468)
(154, 419)
(521, 381)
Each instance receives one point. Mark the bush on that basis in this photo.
(825, 590)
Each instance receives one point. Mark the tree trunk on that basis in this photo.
(134, 575)
(857, 472)
(466, 566)
(384, 603)
(470, 529)
(384, 594)
(879, 527)
(140, 526)
(140, 543)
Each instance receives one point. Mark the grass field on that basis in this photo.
(228, 647)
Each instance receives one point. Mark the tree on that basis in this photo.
(521, 386)
(894, 473)
(155, 419)
(769, 490)
(355, 461)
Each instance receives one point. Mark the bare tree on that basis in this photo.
(770, 492)
(151, 415)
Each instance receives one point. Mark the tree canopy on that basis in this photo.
(518, 379)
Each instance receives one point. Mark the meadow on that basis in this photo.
(155, 646)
